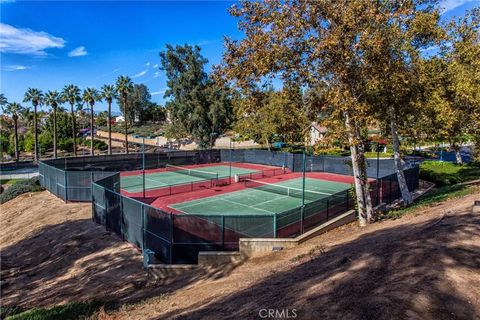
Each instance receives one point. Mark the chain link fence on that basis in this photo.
(178, 238)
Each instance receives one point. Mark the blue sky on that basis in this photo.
(49, 44)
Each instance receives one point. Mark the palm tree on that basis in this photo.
(36, 97)
(124, 87)
(3, 100)
(71, 93)
(53, 99)
(109, 93)
(90, 95)
(14, 109)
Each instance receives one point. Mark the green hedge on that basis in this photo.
(21, 187)
(447, 173)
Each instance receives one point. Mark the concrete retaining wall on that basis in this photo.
(208, 259)
(256, 246)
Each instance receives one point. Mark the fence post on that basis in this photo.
(328, 209)
(348, 205)
(143, 227)
(91, 182)
(390, 193)
(302, 218)
(121, 219)
(275, 225)
(93, 205)
(171, 238)
(66, 186)
(223, 232)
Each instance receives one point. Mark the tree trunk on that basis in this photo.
(74, 130)
(35, 132)
(402, 182)
(15, 123)
(55, 132)
(362, 164)
(458, 156)
(109, 127)
(92, 151)
(268, 143)
(126, 124)
(363, 214)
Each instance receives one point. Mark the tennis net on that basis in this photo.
(192, 172)
(284, 190)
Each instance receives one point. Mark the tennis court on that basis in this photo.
(260, 198)
(175, 175)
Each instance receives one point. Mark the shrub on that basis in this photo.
(74, 310)
(21, 187)
(100, 145)
(447, 173)
(45, 141)
(65, 144)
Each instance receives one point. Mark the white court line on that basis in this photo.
(188, 204)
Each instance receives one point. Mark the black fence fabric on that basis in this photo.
(179, 238)
(322, 163)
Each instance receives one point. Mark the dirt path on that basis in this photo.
(425, 265)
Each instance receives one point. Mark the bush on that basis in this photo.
(45, 141)
(74, 310)
(65, 144)
(29, 142)
(447, 173)
(21, 187)
(100, 145)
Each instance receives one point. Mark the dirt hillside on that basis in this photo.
(425, 265)
(52, 253)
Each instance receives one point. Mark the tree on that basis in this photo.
(53, 99)
(108, 92)
(462, 86)
(138, 103)
(3, 100)
(14, 109)
(124, 86)
(34, 96)
(319, 45)
(265, 115)
(90, 95)
(198, 105)
(397, 36)
(71, 93)
(154, 112)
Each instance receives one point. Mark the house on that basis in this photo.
(120, 119)
(314, 133)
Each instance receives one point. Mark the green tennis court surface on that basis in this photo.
(262, 199)
(168, 178)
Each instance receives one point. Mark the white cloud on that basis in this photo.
(78, 52)
(140, 74)
(27, 41)
(448, 5)
(156, 74)
(147, 64)
(16, 67)
(155, 66)
(156, 93)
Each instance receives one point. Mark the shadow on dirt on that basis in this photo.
(79, 261)
(419, 271)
